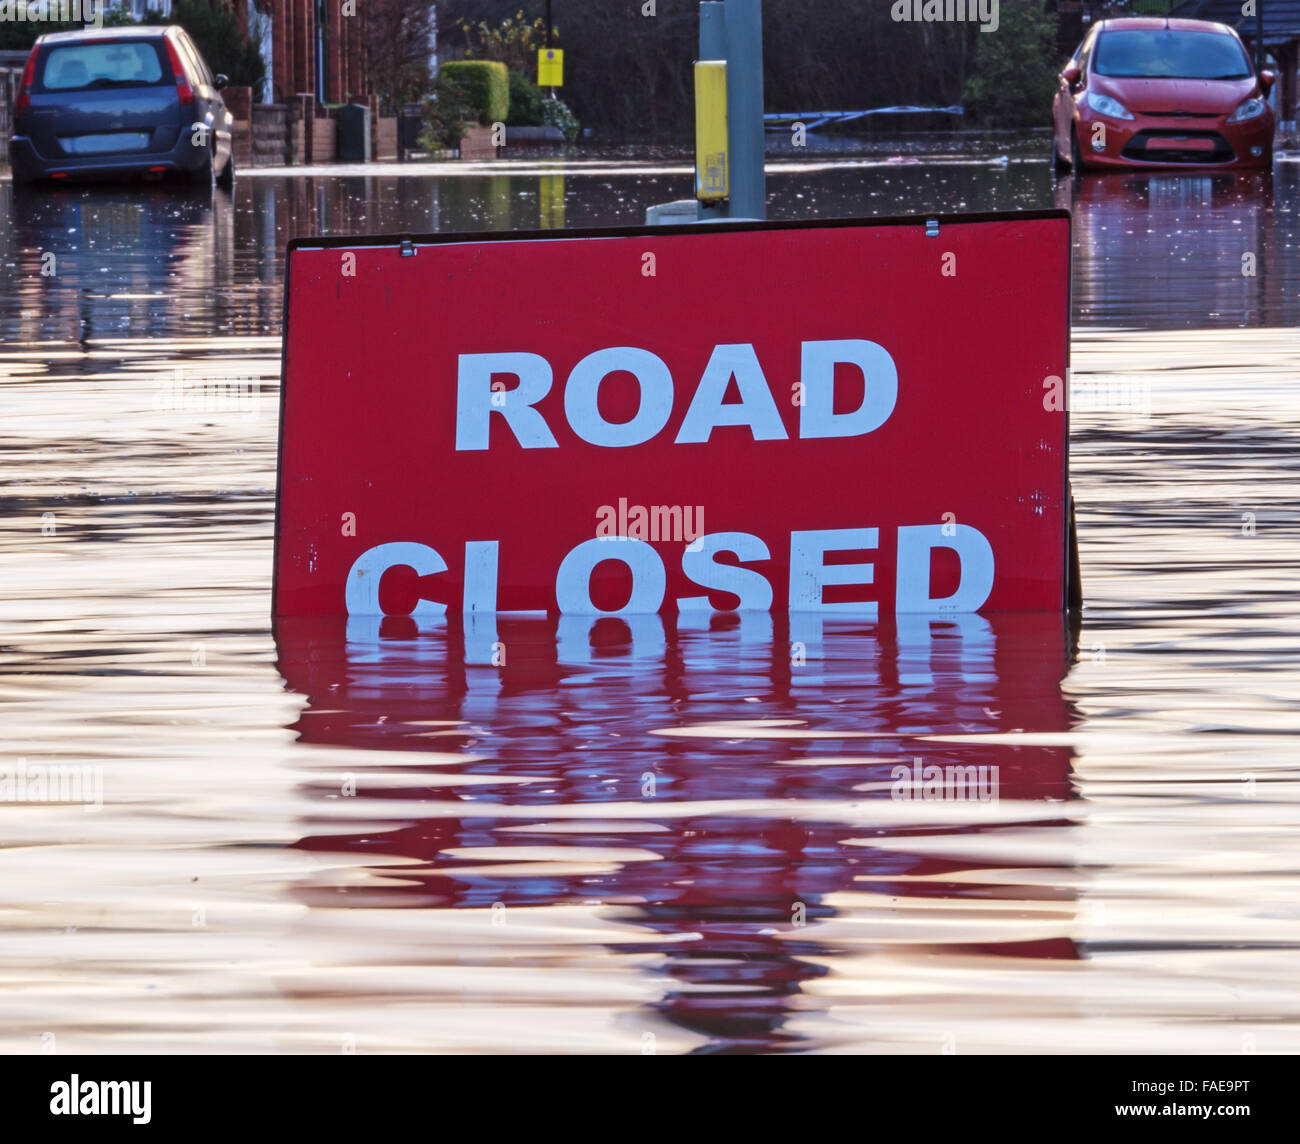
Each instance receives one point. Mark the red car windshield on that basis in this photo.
(1170, 54)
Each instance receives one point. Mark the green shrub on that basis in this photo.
(526, 101)
(446, 113)
(1014, 77)
(483, 84)
(556, 113)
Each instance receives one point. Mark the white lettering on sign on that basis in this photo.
(474, 399)
(361, 592)
(573, 582)
(754, 591)
(915, 542)
(810, 574)
(817, 416)
(755, 408)
(480, 394)
(477, 400)
(580, 393)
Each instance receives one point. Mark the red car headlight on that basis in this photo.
(1105, 105)
(1253, 108)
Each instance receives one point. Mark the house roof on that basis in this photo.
(1281, 17)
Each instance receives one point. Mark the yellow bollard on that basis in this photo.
(711, 166)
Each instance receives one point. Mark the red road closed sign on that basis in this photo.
(848, 417)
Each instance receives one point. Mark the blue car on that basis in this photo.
(120, 102)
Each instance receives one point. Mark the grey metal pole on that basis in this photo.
(713, 30)
(1259, 35)
(744, 19)
(732, 30)
(713, 46)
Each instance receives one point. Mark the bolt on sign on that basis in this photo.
(851, 418)
(550, 67)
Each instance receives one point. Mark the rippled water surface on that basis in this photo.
(642, 835)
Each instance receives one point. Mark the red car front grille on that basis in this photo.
(1175, 146)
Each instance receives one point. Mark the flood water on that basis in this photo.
(641, 835)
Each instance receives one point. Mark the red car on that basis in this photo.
(1162, 93)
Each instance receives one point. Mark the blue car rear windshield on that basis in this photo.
(107, 63)
(1170, 54)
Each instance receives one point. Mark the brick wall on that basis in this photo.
(239, 102)
(293, 32)
(324, 139)
(337, 29)
(296, 146)
(9, 80)
(298, 132)
(384, 148)
(304, 45)
(477, 143)
(272, 136)
(304, 111)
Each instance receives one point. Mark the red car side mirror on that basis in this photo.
(1071, 74)
(1267, 79)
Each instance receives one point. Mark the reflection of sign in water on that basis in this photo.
(550, 202)
(754, 822)
(857, 409)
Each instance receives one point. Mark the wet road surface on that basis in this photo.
(641, 835)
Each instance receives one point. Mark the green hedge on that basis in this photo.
(484, 84)
(526, 101)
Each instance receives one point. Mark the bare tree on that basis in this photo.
(628, 62)
(397, 47)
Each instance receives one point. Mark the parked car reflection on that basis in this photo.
(1203, 248)
(117, 261)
